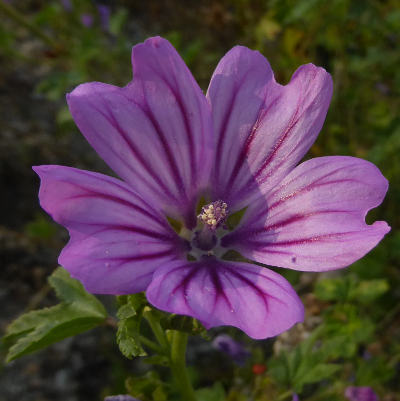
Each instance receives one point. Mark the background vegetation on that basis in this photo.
(351, 333)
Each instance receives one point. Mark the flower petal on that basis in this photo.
(117, 239)
(361, 393)
(255, 299)
(156, 132)
(262, 129)
(315, 219)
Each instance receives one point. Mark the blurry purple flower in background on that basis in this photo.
(295, 397)
(354, 393)
(382, 88)
(237, 148)
(87, 20)
(231, 347)
(67, 5)
(104, 13)
(120, 398)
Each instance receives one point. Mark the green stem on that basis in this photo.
(178, 365)
(285, 395)
(156, 328)
(152, 345)
(15, 15)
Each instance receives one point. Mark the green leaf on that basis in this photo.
(145, 387)
(369, 290)
(307, 363)
(214, 393)
(128, 333)
(375, 371)
(314, 374)
(70, 290)
(79, 311)
(349, 288)
(335, 289)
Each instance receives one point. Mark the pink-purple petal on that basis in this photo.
(314, 220)
(257, 300)
(360, 393)
(117, 239)
(262, 129)
(156, 132)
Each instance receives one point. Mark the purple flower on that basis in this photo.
(231, 347)
(360, 394)
(87, 20)
(67, 5)
(295, 397)
(120, 398)
(237, 148)
(104, 12)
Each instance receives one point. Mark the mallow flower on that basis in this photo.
(354, 393)
(188, 162)
(120, 398)
(229, 346)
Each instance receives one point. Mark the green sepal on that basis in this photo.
(175, 224)
(234, 219)
(130, 315)
(183, 323)
(78, 311)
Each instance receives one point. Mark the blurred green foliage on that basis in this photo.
(356, 339)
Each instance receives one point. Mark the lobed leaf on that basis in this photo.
(79, 311)
(128, 333)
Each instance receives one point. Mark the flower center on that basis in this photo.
(214, 214)
(211, 226)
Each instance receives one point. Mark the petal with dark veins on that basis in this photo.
(117, 240)
(156, 132)
(255, 299)
(262, 129)
(314, 220)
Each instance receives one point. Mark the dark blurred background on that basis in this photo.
(49, 47)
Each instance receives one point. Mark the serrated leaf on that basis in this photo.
(70, 290)
(314, 374)
(306, 363)
(128, 333)
(79, 311)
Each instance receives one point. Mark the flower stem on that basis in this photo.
(178, 365)
(285, 395)
(152, 345)
(156, 328)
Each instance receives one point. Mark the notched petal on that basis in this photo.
(315, 219)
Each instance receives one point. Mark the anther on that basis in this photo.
(213, 214)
